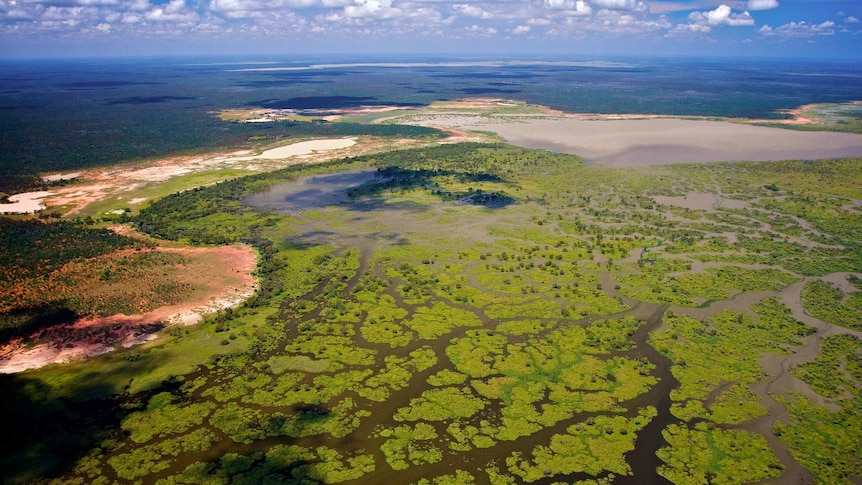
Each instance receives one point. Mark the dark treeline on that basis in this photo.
(31, 250)
(208, 215)
(497, 161)
(31, 247)
(25, 156)
(398, 178)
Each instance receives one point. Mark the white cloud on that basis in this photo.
(370, 8)
(581, 8)
(241, 9)
(362, 20)
(484, 31)
(468, 10)
(243, 5)
(560, 4)
(800, 29)
(131, 19)
(723, 15)
(762, 4)
(139, 5)
(175, 6)
(622, 22)
(71, 3)
(175, 11)
(621, 4)
(569, 7)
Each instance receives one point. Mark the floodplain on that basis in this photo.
(484, 313)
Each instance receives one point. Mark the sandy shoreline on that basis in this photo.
(25, 203)
(298, 149)
(112, 181)
(663, 141)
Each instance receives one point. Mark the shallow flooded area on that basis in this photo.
(311, 192)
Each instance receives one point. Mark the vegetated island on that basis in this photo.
(483, 313)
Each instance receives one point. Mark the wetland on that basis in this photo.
(484, 313)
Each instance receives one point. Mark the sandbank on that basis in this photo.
(300, 148)
(663, 141)
(26, 203)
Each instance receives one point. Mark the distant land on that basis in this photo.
(67, 114)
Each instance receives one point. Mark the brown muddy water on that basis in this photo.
(325, 190)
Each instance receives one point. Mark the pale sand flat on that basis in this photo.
(300, 148)
(25, 203)
(628, 143)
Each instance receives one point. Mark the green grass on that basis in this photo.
(828, 303)
(703, 454)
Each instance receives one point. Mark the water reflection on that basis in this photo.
(311, 192)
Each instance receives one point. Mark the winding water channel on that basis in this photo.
(325, 190)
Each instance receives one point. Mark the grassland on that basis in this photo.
(579, 332)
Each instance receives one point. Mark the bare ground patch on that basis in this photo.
(220, 278)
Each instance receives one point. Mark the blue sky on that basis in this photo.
(794, 28)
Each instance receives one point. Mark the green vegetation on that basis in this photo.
(661, 282)
(826, 439)
(596, 446)
(419, 326)
(725, 349)
(828, 303)
(404, 446)
(704, 454)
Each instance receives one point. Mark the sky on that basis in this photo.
(594, 28)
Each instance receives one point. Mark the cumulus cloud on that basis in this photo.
(374, 19)
(625, 22)
(484, 31)
(243, 5)
(72, 3)
(684, 30)
(569, 7)
(370, 8)
(241, 9)
(468, 10)
(800, 29)
(620, 4)
(174, 11)
(139, 5)
(722, 15)
(762, 4)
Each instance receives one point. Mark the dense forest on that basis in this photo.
(21, 164)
